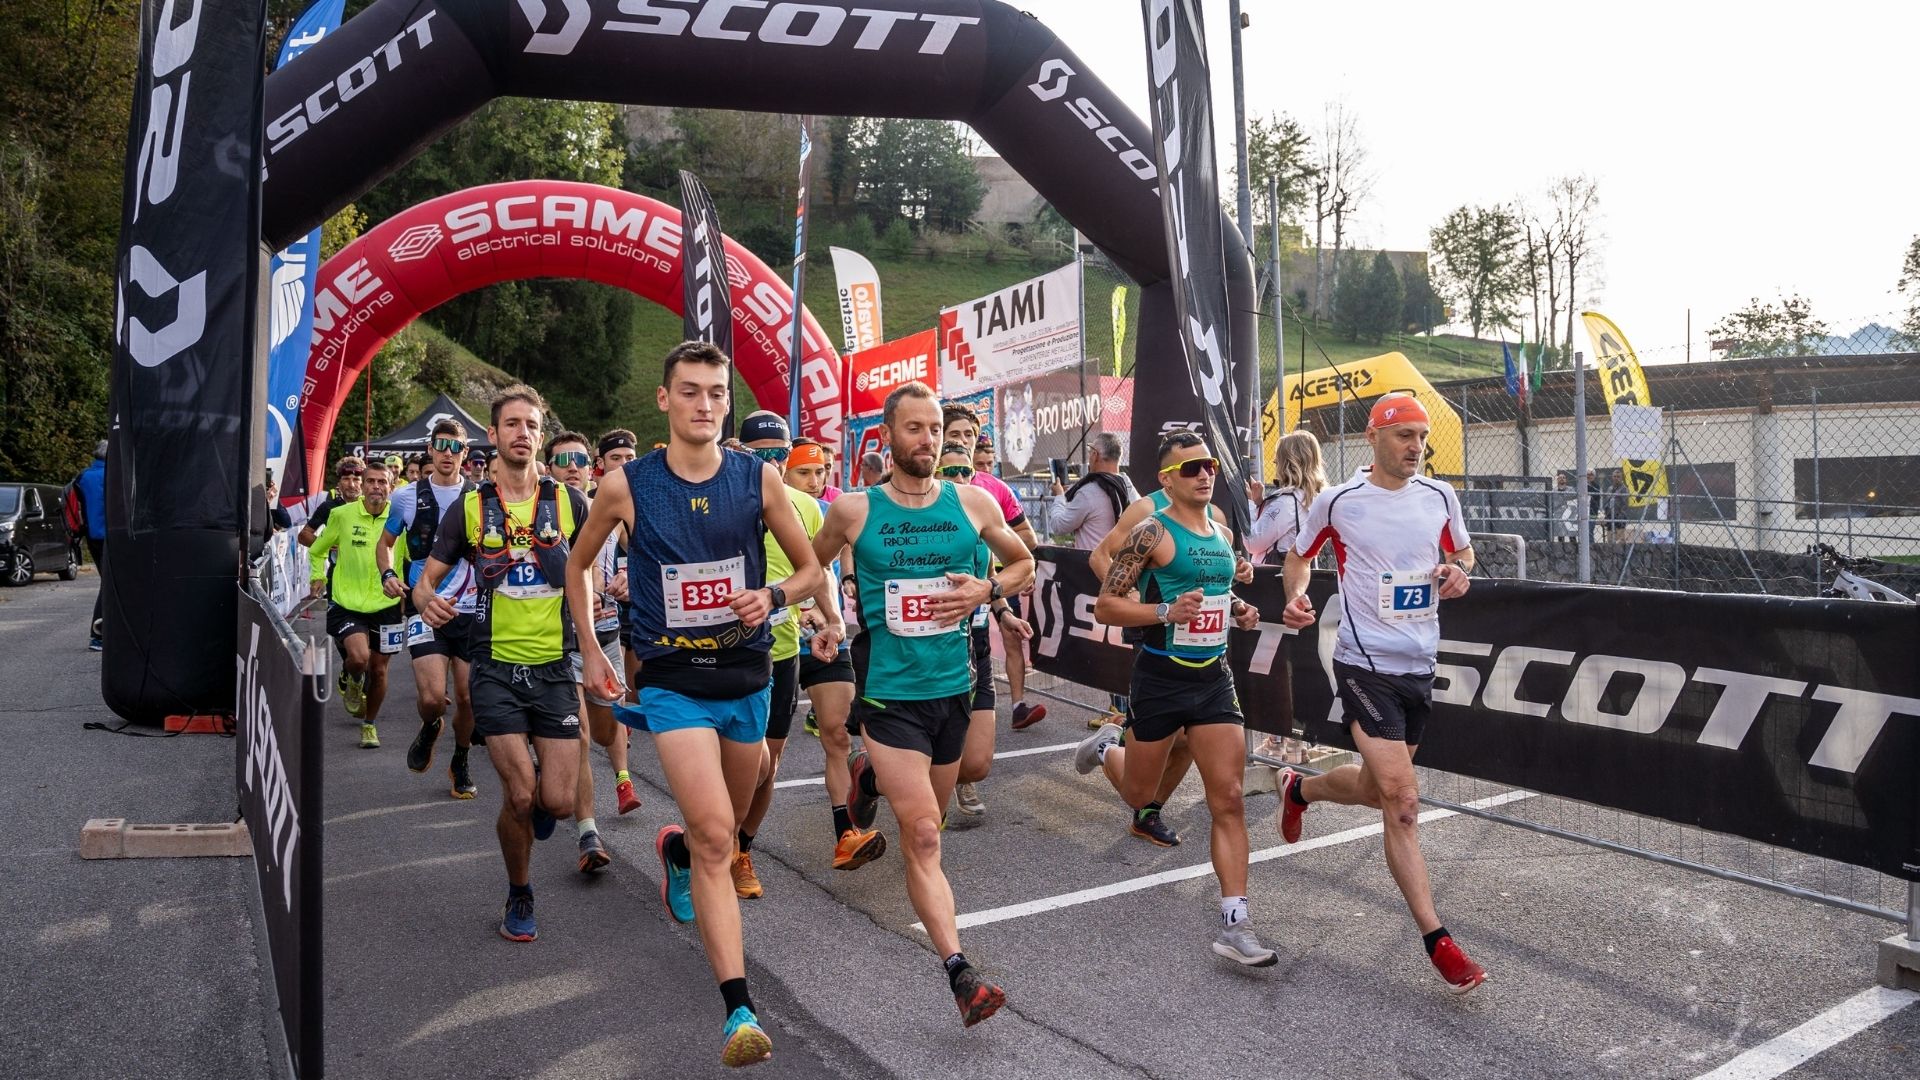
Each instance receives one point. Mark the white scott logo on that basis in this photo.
(151, 348)
(555, 42)
(349, 84)
(156, 173)
(815, 25)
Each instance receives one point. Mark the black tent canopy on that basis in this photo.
(412, 437)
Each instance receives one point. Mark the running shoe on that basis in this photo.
(860, 805)
(676, 883)
(517, 923)
(977, 998)
(1154, 830)
(353, 694)
(747, 1042)
(459, 780)
(746, 884)
(1288, 818)
(1238, 944)
(629, 801)
(1025, 715)
(369, 737)
(812, 724)
(94, 644)
(1111, 716)
(420, 751)
(543, 822)
(593, 853)
(966, 798)
(1086, 756)
(857, 848)
(1462, 974)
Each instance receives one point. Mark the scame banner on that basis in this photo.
(1795, 722)
(1013, 334)
(874, 373)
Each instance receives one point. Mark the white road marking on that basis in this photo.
(1831, 1028)
(816, 781)
(383, 811)
(1187, 873)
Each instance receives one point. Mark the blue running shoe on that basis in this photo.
(747, 1042)
(517, 924)
(676, 883)
(542, 821)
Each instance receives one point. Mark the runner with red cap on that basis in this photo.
(1402, 547)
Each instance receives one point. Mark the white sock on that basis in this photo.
(1233, 910)
(1104, 747)
(584, 826)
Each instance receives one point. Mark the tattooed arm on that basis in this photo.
(1145, 546)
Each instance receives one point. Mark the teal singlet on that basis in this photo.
(1200, 561)
(901, 558)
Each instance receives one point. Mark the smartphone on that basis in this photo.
(1059, 469)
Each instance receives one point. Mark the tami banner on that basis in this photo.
(292, 272)
(1013, 334)
(1639, 435)
(1794, 722)
(859, 285)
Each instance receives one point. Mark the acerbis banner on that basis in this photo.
(1794, 722)
(428, 254)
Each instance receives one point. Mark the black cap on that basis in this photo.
(763, 425)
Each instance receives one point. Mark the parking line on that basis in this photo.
(1187, 873)
(816, 781)
(1831, 1028)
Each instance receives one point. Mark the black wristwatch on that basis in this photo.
(779, 596)
(994, 593)
(385, 574)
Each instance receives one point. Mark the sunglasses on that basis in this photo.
(775, 454)
(1193, 467)
(353, 472)
(570, 459)
(957, 472)
(450, 445)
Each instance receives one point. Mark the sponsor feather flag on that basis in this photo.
(1119, 326)
(859, 286)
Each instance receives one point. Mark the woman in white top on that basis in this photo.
(1299, 478)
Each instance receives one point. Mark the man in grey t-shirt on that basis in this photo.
(1091, 507)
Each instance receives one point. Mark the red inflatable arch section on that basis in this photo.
(421, 258)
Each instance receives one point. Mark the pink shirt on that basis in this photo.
(1002, 494)
(829, 493)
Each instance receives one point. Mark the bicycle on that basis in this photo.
(1847, 584)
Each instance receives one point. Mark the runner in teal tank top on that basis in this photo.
(1182, 563)
(915, 546)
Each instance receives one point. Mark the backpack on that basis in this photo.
(1112, 486)
(74, 509)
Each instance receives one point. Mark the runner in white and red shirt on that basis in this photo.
(1402, 547)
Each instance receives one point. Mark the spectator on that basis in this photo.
(872, 468)
(1089, 508)
(92, 487)
(1298, 478)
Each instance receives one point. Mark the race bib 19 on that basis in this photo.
(1408, 596)
(910, 606)
(1208, 629)
(695, 594)
(526, 581)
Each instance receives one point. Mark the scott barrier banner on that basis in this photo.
(277, 750)
(183, 433)
(1794, 722)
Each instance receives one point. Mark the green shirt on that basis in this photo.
(353, 534)
(911, 658)
(526, 618)
(1203, 562)
(786, 631)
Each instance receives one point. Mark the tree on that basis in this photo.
(1420, 310)
(1787, 327)
(1368, 302)
(921, 170)
(1909, 287)
(1576, 205)
(1277, 149)
(1340, 182)
(1479, 270)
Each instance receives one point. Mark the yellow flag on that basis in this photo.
(1388, 373)
(1119, 325)
(1626, 386)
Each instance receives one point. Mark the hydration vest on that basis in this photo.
(426, 519)
(493, 555)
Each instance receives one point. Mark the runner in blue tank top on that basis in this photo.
(1182, 562)
(696, 577)
(915, 553)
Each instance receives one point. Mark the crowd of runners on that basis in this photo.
(573, 592)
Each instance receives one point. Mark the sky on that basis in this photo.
(1741, 150)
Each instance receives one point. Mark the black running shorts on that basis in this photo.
(814, 671)
(453, 639)
(342, 623)
(540, 700)
(936, 727)
(786, 690)
(1166, 697)
(1393, 707)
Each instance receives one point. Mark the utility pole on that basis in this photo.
(1237, 22)
(1273, 278)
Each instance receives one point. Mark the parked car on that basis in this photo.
(33, 534)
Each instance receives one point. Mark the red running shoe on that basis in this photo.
(1462, 974)
(1025, 716)
(1290, 810)
(977, 998)
(629, 802)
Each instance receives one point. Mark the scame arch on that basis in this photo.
(430, 253)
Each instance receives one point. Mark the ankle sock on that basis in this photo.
(1233, 910)
(677, 853)
(734, 993)
(842, 821)
(1145, 812)
(519, 890)
(746, 841)
(1432, 941)
(1293, 792)
(623, 776)
(585, 826)
(955, 964)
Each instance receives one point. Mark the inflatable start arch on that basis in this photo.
(424, 256)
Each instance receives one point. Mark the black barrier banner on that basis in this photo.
(277, 775)
(1795, 722)
(707, 314)
(186, 340)
(1182, 93)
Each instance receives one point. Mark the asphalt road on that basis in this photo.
(1601, 965)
